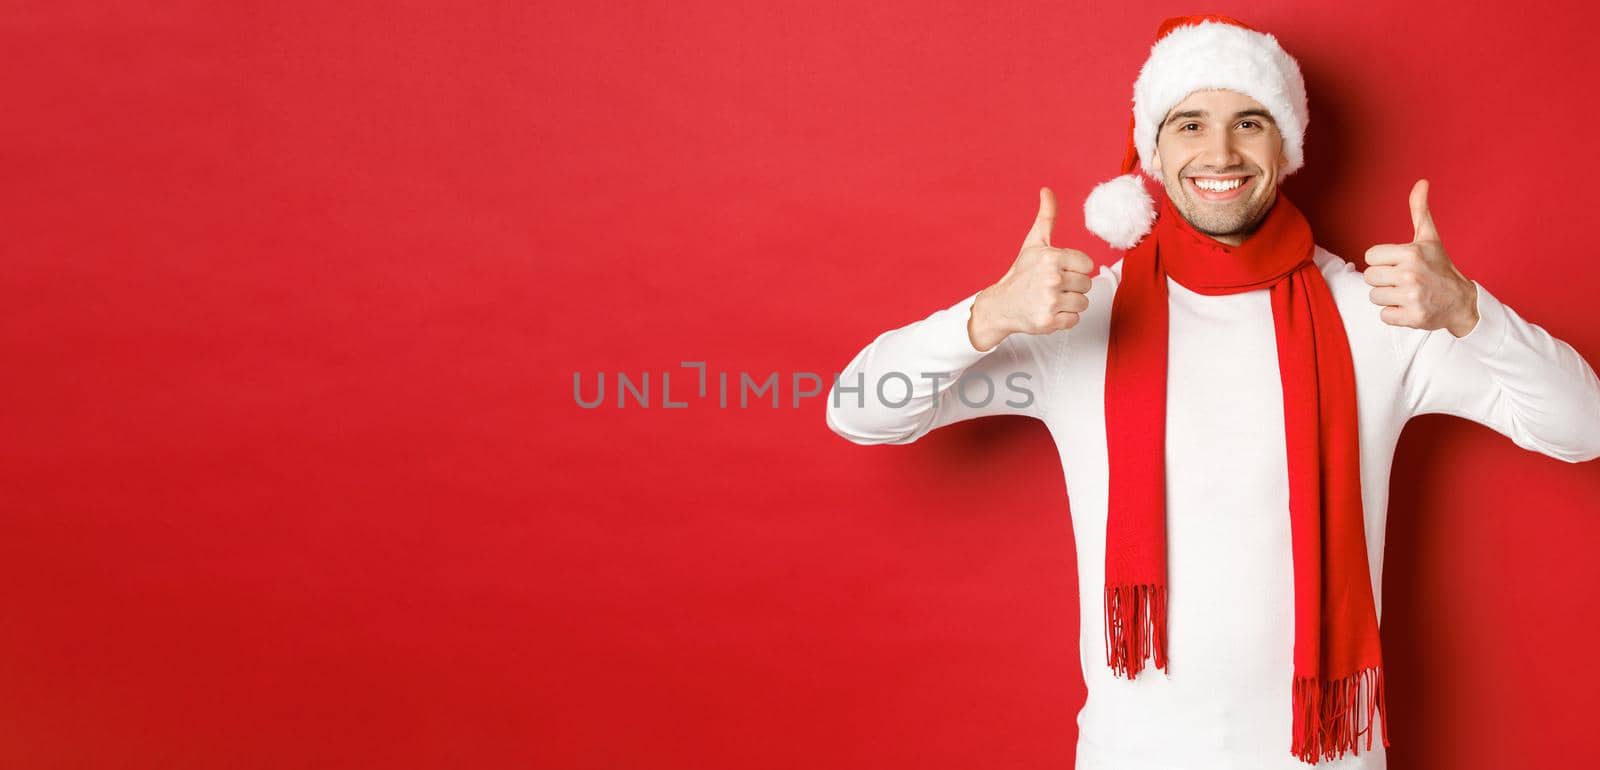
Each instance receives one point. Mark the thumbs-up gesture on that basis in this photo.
(1416, 283)
(1044, 291)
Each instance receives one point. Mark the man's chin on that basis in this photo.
(1215, 219)
(1210, 218)
(1221, 225)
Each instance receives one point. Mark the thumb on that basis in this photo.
(1421, 218)
(1045, 222)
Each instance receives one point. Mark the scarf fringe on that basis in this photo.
(1327, 714)
(1136, 627)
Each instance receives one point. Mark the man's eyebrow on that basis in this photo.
(1263, 114)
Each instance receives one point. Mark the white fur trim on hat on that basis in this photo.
(1214, 54)
(1119, 211)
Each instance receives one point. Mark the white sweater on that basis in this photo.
(1225, 702)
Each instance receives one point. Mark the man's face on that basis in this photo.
(1228, 142)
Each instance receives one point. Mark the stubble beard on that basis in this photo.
(1239, 217)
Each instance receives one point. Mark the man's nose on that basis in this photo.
(1220, 152)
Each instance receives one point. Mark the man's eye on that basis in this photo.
(1186, 126)
(1250, 123)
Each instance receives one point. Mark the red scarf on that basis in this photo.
(1336, 648)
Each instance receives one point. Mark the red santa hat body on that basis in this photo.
(1194, 53)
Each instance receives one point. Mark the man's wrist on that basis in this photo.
(981, 331)
(1467, 318)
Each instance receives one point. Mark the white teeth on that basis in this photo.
(1218, 185)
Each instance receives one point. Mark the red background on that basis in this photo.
(294, 294)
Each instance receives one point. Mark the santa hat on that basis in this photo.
(1193, 53)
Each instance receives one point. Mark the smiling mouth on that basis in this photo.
(1217, 188)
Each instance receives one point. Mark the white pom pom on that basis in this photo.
(1120, 211)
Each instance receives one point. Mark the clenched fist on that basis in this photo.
(1044, 291)
(1416, 283)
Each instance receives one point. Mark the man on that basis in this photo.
(1235, 390)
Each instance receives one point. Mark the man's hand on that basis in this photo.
(1416, 282)
(1044, 291)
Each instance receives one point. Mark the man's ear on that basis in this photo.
(1157, 163)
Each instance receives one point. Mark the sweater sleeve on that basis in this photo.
(927, 374)
(1508, 374)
